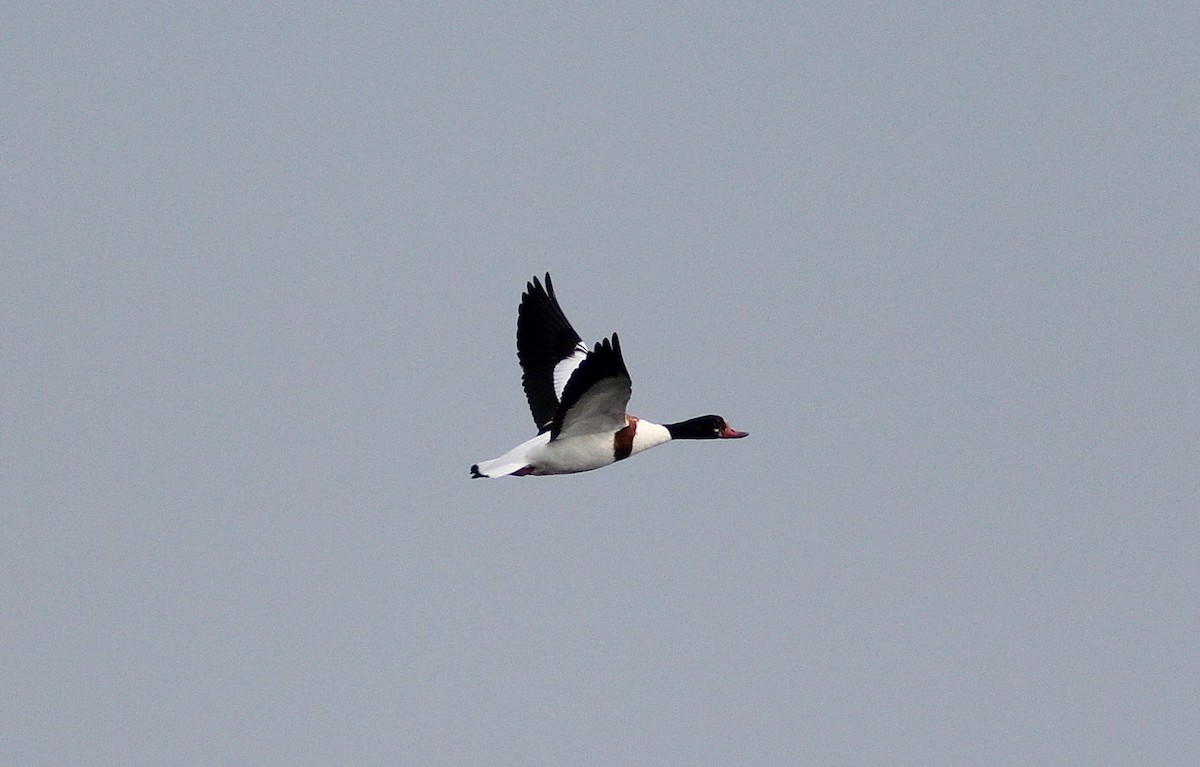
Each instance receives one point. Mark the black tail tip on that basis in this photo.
(475, 473)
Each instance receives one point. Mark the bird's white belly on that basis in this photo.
(566, 456)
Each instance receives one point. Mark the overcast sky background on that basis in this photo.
(259, 277)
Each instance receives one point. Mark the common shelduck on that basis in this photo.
(578, 399)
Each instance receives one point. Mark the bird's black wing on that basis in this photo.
(595, 397)
(548, 349)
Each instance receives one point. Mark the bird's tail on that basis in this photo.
(498, 467)
(515, 462)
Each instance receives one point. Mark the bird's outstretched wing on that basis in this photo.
(548, 349)
(595, 397)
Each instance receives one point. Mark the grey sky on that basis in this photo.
(259, 284)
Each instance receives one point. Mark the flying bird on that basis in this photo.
(578, 398)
